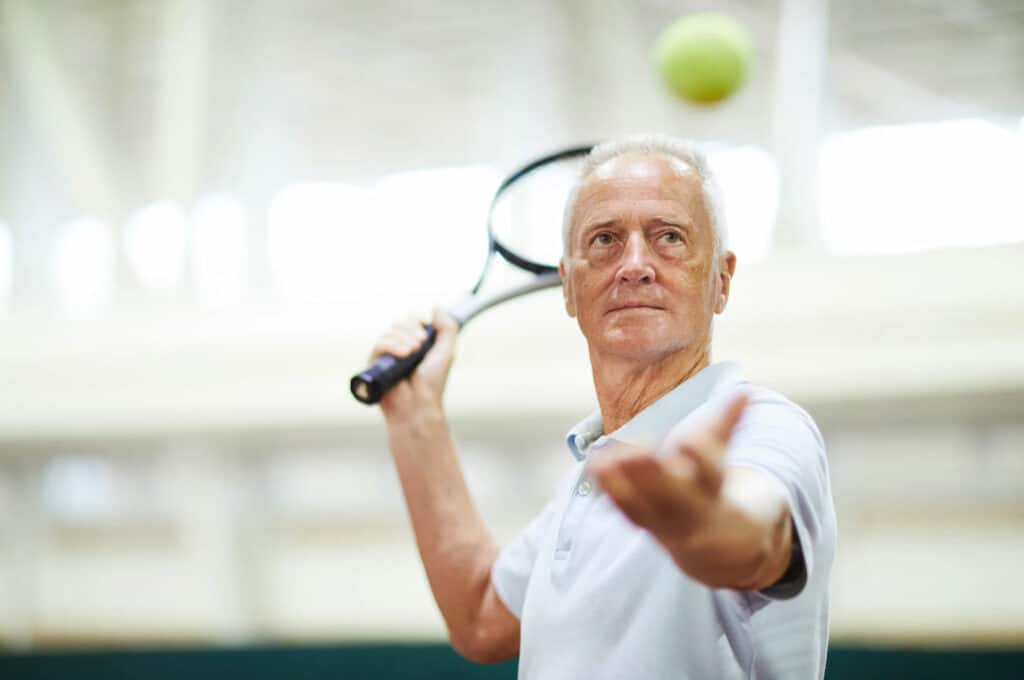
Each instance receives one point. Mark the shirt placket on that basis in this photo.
(583, 493)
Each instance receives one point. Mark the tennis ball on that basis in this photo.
(703, 58)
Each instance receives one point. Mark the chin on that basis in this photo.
(642, 343)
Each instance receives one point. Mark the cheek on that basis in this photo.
(584, 286)
(691, 286)
(691, 275)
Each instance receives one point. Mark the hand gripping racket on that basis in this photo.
(524, 228)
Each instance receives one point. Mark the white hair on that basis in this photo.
(681, 152)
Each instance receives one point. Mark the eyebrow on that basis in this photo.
(588, 226)
(659, 219)
(673, 222)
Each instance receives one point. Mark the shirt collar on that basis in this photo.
(649, 427)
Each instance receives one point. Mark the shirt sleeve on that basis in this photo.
(779, 438)
(510, 574)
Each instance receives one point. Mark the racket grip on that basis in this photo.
(371, 385)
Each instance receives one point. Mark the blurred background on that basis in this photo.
(210, 209)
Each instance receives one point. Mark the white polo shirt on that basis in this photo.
(598, 597)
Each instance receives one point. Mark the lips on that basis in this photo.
(634, 305)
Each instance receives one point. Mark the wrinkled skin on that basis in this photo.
(639, 276)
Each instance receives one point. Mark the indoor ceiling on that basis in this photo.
(265, 92)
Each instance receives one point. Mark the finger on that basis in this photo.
(620, 489)
(723, 425)
(425, 315)
(412, 325)
(446, 329)
(392, 347)
(411, 338)
(705, 445)
(705, 458)
(396, 343)
(446, 325)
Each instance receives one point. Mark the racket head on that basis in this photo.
(525, 219)
(524, 227)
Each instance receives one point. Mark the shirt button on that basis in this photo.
(584, 488)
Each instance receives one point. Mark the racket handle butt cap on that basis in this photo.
(370, 385)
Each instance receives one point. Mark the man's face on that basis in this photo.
(637, 274)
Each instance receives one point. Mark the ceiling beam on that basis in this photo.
(181, 97)
(60, 109)
(799, 96)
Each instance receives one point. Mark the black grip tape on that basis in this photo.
(371, 385)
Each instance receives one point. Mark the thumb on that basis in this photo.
(446, 326)
(722, 426)
(440, 355)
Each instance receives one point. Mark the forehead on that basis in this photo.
(632, 181)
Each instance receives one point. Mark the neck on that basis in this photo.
(627, 386)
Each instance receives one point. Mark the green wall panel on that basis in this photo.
(420, 662)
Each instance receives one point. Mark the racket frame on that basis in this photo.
(370, 385)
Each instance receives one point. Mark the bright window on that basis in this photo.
(749, 179)
(323, 239)
(438, 221)
(83, 267)
(155, 245)
(219, 248)
(916, 187)
(411, 241)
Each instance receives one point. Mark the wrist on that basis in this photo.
(417, 421)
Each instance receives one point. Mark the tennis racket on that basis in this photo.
(524, 228)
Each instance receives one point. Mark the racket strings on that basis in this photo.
(525, 259)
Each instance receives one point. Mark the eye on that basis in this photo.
(672, 237)
(602, 238)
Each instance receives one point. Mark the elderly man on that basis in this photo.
(694, 536)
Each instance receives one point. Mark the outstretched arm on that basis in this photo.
(728, 527)
(456, 548)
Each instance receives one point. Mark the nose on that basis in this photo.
(636, 266)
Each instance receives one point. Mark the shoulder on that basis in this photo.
(776, 433)
(770, 412)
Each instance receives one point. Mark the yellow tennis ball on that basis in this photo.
(704, 57)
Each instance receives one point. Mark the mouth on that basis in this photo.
(634, 306)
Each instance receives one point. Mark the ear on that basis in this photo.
(567, 296)
(726, 269)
